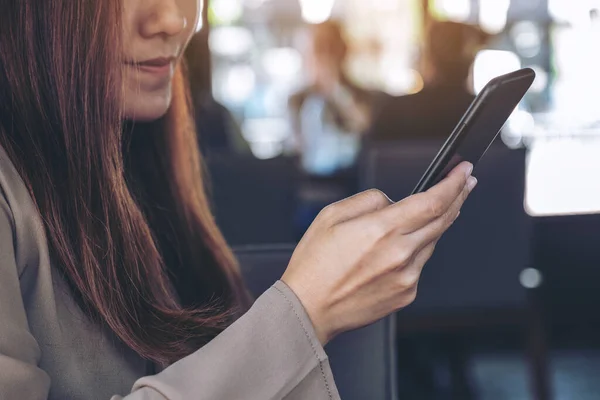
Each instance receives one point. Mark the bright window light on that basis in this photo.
(492, 63)
(226, 11)
(493, 15)
(385, 5)
(239, 84)
(316, 11)
(283, 63)
(521, 122)
(541, 79)
(562, 177)
(231, 41)
(527, 37)
(254, 3)
(400, 80)
(575, 88)
(455, 10)
(576, 13)
(266, 136)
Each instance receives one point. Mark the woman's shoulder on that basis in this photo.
(19, 217)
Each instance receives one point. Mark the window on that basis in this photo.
(257, 55)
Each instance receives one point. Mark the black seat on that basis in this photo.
(473, 279)
(362, 361)
(477, 264)
(253, 200)
(567, 252)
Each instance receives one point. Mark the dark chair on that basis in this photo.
(476, 266)
(363, 361)
(472, 280)
(567, 252)
(253, 200)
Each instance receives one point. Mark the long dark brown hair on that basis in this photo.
(126, 217)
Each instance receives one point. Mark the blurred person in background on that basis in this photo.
(114, 278)
(448, 55)
(329, 117)
(218, 130)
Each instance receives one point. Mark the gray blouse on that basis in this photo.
(50, 350)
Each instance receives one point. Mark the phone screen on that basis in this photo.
(479, 127)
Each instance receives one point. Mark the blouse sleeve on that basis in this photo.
(20, 377)
(271, 352)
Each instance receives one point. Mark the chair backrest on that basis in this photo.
(567, 252)
(477, 264)
(253, 200)
(363, 361)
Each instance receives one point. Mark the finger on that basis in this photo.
(450, 187)
(409, 247)
(434, 230)
(416, 211)
(353, 207)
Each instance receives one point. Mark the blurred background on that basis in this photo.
(300, 103)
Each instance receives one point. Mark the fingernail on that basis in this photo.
(471, 183)
(457, 215)
(469, 169)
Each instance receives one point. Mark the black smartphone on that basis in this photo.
(479, 126)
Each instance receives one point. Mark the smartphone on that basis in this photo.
(479, 126)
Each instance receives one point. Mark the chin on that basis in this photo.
(147, 107)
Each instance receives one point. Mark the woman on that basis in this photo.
(113, 276)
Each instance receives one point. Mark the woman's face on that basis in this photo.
(156, 34)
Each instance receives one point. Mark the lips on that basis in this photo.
(157, 66)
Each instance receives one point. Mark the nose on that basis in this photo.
(165, 18)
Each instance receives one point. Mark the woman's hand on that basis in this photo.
(362, 257)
